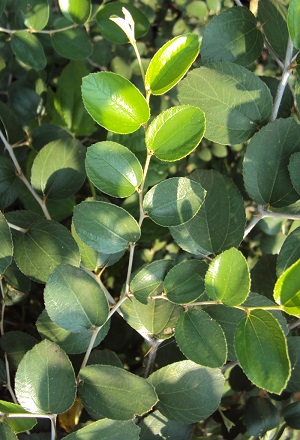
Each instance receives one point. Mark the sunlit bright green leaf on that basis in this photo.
(77, 11)
(36, 13)
(293, 22)
(287, 289)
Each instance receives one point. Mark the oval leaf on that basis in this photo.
(294, 167)
(259, 343)
(36, 13)
(28, 50)
(77, 11)
(45, 380)
(287, 289)
(260, 415)
(114, 102)
(114, 393)
(171, 62)
(107, 430)
(157, 425)
(73, 44)
(293, 22)
(6, 248)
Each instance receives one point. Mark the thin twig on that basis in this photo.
(33, 31)
(151, 356)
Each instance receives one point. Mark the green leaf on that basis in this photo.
(28, 50)
(15, 344)
(174, 133)
(294, 166)
(6, 249)
(114, 102)
(18, 424)
(36, 13)
(182, 290)
(272, 16)
(260, 415)
(44, 246)
(149, 279)
(207, 232)
(77, 11)
(45, 380)
(111, 31)
(232, 36)
(289, 252)
(293, 385)
(113, 169)
(58, 169)
(228, 279)
(293, 22)
(156, 425)
(266, 175)
(107, 430)
(287, 289)
(6, 432)
(2, 7)
(74, 300)
(71, 343)
(201, 339)
(46, 133)
(171, 62)
(10, 183)
(263, 275)
(235, 101)
(196, 391)
(105, 227)
(68, 102)
(174, 201)
(104, 357)
(115, 393)
(291, 414)
(73, 44)
(259, 343)
(287, 101)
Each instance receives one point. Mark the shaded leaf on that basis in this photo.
(294, 166)
(156, 425)
(291, 414)
(6, 249)
(260, 415)
(10, 183)
(28, 50)
(16, 344)
(6, 432)
(289, 252)
(293, 385)
(73, 44)
(18, 424)
(104, 357)
(107, 430)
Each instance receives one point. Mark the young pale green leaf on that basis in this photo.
(58, 169)
(28, 50)
(111, 31)
(74, 300)
(287, 289)
(235, 101)
(174, 133)
(113, 169)
(77, 11)
(73, 44)
(187, 392)
(207, 232)
(171, 62)
(228, 279)
(44, 246)
(6, 432)
(259, 344)
(15, 344)
(36, 13)
(114, 102)
(45, 380)
(18, 424)
(112, 392)
(6, 248)
(107, 429)
(105, 227)
(182, 290)
(260, 415)
(289, 252)
(148, 280)
(201, 339)
(293, 22)
(156, 425)
(10, 183)
(294, 166)
(293, 385)
(174, 201)
(266, 175)
(232, 36)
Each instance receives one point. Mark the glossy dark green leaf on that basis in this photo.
(201, 339)
(36, 13)
(293, 385)
(171, 62)
(45, 380)
(105, 227)
(182, 290)
(174, 133)
(68, 102)
(114, 393)
(73, 44)
(266, 175)
(259, 343)
(114, 102)
(294, 166)
(235, 101)
(15, 344)
(272, 16)
(77, 11)
(10, 183)
(46, 133)
(156, 425)
(260, 415)
(6, 432)
(174, 201)
(58, 169)
(111, 31)
(263, 275)
(291, 414)
(207, 232)
(44, 246)
(228, 279)
(6, 248)
(149, 279)
(71, 343)
(293, 22)
(18, 424)
(113, 169)
(107, 430)
(232, 36)
(289, 252)
(196, 390)
(28, 50)
(287, 289)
